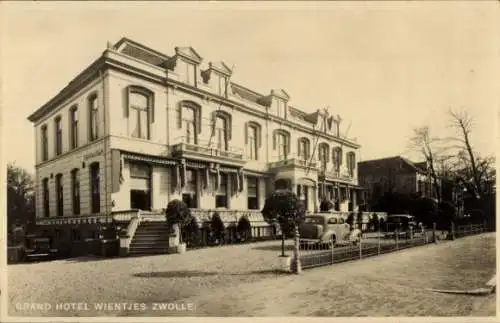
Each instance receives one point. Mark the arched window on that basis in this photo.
(140, 111)
(189, 120)
(303, 149)
(58, 136)
(253, 139)
(351, 162)
(45, 143)
(46, 201)
(323, 154)
(59, 195)
(93, 117)
(337, 157)
(75, 191)
(73, 125)
(221, 129)
(95, 194)
(281, 143)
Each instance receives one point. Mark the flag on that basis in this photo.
(122, 161)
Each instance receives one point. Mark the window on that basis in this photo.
(190, 73)
(140, 186)
(303, 194)
(75, 191)
(351, 162)
(140, 113)
(337, 157)
(58, 136)
(93, 118)
(220, 133)
(221, 85)
(323, 154)
(189, 125)
(59, 195)
(189, 195)
(253, 193)
(73, 119)
(282, 146)
(222, 192)
(303, 149)
(45, 144)
(332, 221)
(46, 201)
(95, 196)
(281, 108)
(252, 143)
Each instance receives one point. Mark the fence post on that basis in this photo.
(434, 238)
(333, 253)
(360, 247)
(470, 226)
(379, 238)
(452, 230)
(397, 238)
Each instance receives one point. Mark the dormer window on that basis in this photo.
(221, 87)
(190, 73)
(281, 108)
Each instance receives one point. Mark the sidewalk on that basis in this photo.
(388, 285)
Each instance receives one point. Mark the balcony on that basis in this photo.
(337, 175)
(207, 151)
(293, 161)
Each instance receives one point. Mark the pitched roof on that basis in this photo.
(420, 167)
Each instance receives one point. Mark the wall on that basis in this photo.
(81, 100)
(64, 165)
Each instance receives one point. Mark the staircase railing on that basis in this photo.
(126, 238)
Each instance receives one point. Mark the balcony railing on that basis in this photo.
(335, 174)
(293, 160)
(182, 146)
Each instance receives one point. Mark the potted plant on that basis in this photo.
(178, 217)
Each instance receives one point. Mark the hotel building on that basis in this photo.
(139, 128)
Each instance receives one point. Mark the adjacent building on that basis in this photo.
(139, 128)
(395, 174)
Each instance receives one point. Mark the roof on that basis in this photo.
(420, 167)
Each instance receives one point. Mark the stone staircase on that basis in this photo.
(151, 237)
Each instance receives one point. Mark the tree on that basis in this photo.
(425, 210)
(20, 197)
(286, 208)
(178, 216)
(326, 205)
(217, 227)
(433, 153)
(244, 228)
(476, 169)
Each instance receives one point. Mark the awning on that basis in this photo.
(149, 159)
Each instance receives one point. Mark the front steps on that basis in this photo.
(150, 238)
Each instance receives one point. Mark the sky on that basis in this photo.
(385, 68)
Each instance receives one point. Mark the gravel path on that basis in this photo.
(391, 284)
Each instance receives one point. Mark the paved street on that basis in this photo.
(239, 280)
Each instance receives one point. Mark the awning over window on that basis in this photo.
(149, 159)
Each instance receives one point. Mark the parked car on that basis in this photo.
(326, 228)
(39, 248)
(404, 224)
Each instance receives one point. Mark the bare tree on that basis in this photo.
(434, 155)
(471, 166)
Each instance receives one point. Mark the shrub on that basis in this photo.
(326, 205)
(177, 213)
(244, 229)
(192, 232)
(375, 221)
(217, 227)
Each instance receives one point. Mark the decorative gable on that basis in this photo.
(188, 53)
(280, 93)
(219, 67)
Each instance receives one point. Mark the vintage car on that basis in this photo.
(39, 248)
(404, 224)
(326, 228)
